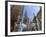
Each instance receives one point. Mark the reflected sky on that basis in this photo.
(30, 9)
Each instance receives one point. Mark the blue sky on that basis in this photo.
(31, 9)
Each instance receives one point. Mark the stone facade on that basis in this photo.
(37, 20)
(15, 13)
